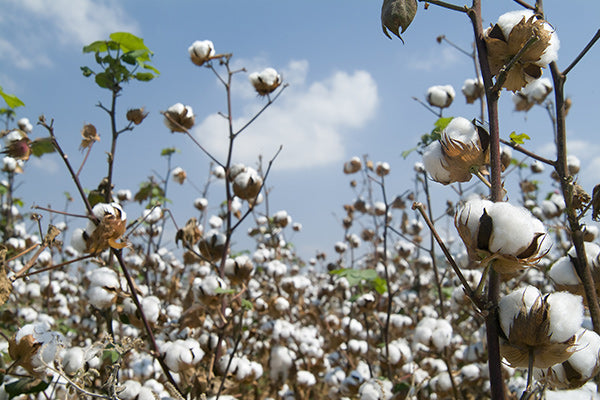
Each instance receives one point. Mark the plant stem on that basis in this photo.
(492, 323)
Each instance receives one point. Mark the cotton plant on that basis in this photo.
(461, 150)
(472, 89)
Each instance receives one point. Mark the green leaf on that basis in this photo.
(356, 276)
(128, 41)
(104, 80)
(224, 291)
(25, 386)
(441, 124)
(111, 355)
(168, 151)
(247, 304)
(519, 139)
(405, 153)
(98, 46)
(42, 146)
(380, 285)
(151, 68)
(11, 100)
(396, 14)
(144, 76)
(86, 71)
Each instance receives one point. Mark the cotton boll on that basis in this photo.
(433, 160)
(440, 96)
(512, 304)
(280, 362)
(441, 335)
(73, 360)
(129, 390)
(462, 130)
(574, 164)
(145, 393)
(507, 21)
(563, 272)
(586, 358)
(592, 252)
(305, 378)
(100, 297)
(566, 315)
(201, 51)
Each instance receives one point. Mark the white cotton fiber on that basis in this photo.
(585, 358)
(563, 272)
(433, 159)
(513, 229)
(511, 304)
(566, 315)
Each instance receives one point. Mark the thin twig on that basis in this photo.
(527, 152)
(525, 5)
(449, 6)
(583, 53)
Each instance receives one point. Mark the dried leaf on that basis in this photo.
(90, 136)
(484, 232)
(396, 14)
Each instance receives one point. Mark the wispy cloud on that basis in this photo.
(308, 120)
(35, 23)
(435, 58)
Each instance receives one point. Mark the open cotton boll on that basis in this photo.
(507, 21)
(129, 390)
(305, 378)
(586, 358)
(563, 272)
(100, 297)
(440, 96)
(201, 51)
(441, 335)
(565, 314)
(513, 228)
(512, 304)
(433, 160)
(73, 360)
(592, 251)
(375, 389)
(104, 277)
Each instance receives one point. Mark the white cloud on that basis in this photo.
(36, 23)
(434, 59)
(309, 121)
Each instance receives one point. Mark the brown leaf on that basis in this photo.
(90, 136)
(396, 14)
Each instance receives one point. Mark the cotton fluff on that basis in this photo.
(49, 343)
(513, 228)
(566, 315)
(440, 96)
(512, 304)
(73, 359)
(563, 272)
(433, 160)
(537, 90)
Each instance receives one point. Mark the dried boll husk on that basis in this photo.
(530, 327)
(503, 44)
(136, 115)
(190, 234)
(352, 166)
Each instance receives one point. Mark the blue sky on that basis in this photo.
(350, 93)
